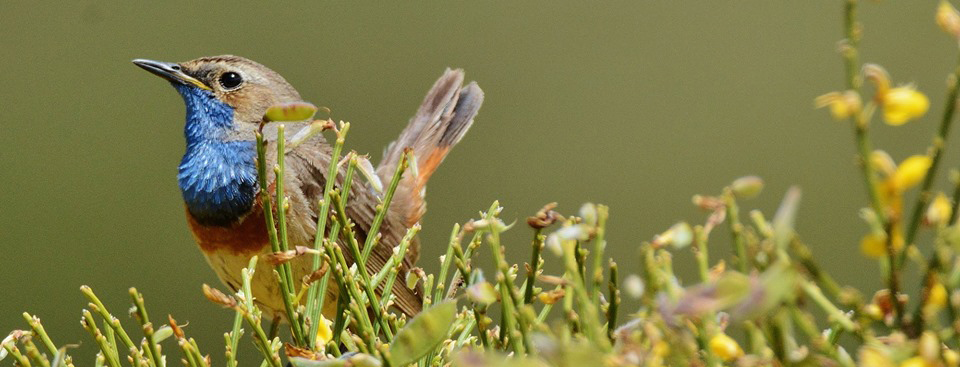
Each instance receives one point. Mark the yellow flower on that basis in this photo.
(661, 348)
(842, 105)
(937, 298)
(725, 347)
(324, 334)
(873, 356)
(951, 357)
(550, 297)
(915, 362)
(874, 311)
(875, 245)
(910, 172)
(948, 18)
(939, 210)
(929, 346)
(903, 104)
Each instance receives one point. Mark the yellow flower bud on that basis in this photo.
(551, 297)
(725, 347)
(914, 362)
(874, 311)
(951, 357)
(661, 348)
(910, 172)
(873, 356)
(937, 298)
(939, 210)
(948, 19)
(929, 346)
(875, 245)
(842, 105)
(903, 104)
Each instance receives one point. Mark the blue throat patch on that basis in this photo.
(218, 178)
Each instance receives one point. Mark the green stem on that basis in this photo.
(33, 353)
(316, 292)
(272, 232)
(812, 291)
(348, 179)
(599, 244)
(251, 314)
(956, 200)
(893, 280)
(537, 245)
(113, 321)
(234, 339)
(340, 321)
(447, 260)
(511, 300)
(934, 265)
(20, 358)
(392, 268)
(614, 301)
(38, 330)
(188, 354)
(91, 325)
(342, 273)
(385, 205)
(736, 230)
(936, 152)
(589, 317)
(701, 253)
(368, 285)
(864, 150)
(296, 324)
(824, 280)
(151, 349)
(850, 55)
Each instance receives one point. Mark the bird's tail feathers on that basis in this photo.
(441, 121)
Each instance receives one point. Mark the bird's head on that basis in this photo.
(226, 96)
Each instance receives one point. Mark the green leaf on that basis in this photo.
(422, 334)
(295, 111)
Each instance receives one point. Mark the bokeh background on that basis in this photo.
(636, 104)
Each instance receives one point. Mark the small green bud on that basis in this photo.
(747, 187)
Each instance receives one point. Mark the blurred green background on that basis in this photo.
(636, 104)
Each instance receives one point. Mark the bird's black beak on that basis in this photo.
(169, 71)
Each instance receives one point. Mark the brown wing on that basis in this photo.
(306, 169)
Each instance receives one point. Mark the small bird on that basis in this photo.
(226, 98)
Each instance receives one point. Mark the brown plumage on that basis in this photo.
(228, 223)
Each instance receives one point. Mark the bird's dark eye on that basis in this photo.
(230, 80)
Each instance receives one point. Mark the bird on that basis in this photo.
(225, 98)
